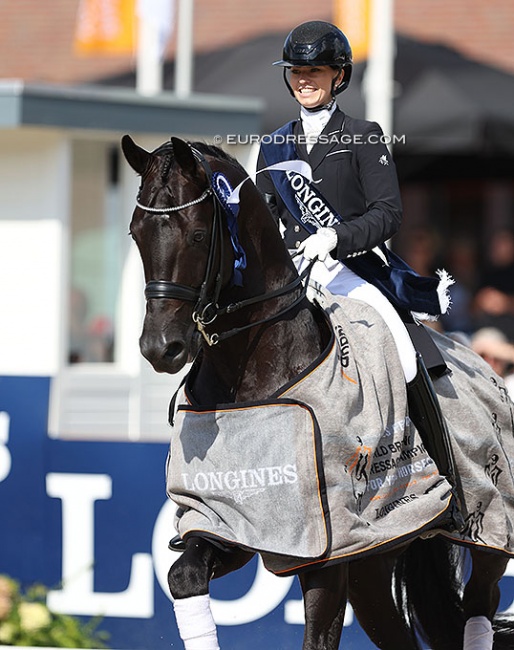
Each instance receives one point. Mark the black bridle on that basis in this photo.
(206, 308)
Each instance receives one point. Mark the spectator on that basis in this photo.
(494, 301)
(492, 345)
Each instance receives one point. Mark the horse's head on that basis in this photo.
(185, 248)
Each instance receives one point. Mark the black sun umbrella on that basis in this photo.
(444, 102)
(448, 104)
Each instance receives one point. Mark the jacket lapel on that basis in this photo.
(301, 147)
(333, 131)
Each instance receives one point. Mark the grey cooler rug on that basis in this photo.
(332, 468)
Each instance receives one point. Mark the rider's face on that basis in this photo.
(312, 87)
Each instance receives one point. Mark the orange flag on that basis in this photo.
(353, 18)
(106, 27)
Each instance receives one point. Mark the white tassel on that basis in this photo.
(478, 634)
(443, 293)
(445, 282)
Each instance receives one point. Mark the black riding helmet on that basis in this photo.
(318, 43)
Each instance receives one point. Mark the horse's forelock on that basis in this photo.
(164, 154)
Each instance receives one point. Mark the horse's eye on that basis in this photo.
(198, 236)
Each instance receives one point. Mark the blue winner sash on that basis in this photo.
(404, 288)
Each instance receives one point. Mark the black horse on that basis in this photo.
(254, 337)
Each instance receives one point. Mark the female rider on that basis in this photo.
(344, 214)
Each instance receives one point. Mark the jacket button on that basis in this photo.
(297, 244)
(297, 228)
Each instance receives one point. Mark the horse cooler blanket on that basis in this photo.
(331, 468)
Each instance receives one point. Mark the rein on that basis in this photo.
(207, 308)
(213, 339)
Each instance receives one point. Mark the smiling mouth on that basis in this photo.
(308, 89)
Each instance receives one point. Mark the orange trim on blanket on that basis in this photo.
(466, 542)
(318, 481)
(302, 379)
(345, 376)
(461, 542)
(235, 407)
(362, 550)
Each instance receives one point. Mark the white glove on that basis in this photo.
(319, 244)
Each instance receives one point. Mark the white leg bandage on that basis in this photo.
(195, 623)
(478, 634)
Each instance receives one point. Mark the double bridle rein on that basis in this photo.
(206, 308)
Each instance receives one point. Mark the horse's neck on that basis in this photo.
(256, 365)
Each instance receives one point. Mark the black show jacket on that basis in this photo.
(354, 171)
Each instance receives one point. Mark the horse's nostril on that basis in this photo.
(174, 349)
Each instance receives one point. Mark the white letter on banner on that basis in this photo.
(509, 573)
(78, 492)
(265, 594)
(5, 454)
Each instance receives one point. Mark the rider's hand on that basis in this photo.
(319, 245)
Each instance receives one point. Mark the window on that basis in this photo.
(104, 389)
(98, 246)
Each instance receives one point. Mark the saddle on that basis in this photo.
(424, 344)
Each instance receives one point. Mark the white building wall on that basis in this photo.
(122, 400)
(34, 173)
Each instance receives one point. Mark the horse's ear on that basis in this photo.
(137, 157)
(184, 156)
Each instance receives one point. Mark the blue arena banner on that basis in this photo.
(91, 521)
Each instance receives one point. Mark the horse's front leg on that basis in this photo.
(481, 598)
(324, 594)
(188, 581)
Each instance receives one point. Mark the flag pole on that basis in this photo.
(378, 81)
(149, 65)
(155, 23)
(185, 49)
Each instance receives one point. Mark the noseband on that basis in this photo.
(206, 308)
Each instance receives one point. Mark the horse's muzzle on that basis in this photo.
(168, 357)
(167, 333)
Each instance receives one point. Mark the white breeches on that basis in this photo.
(341, 281)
